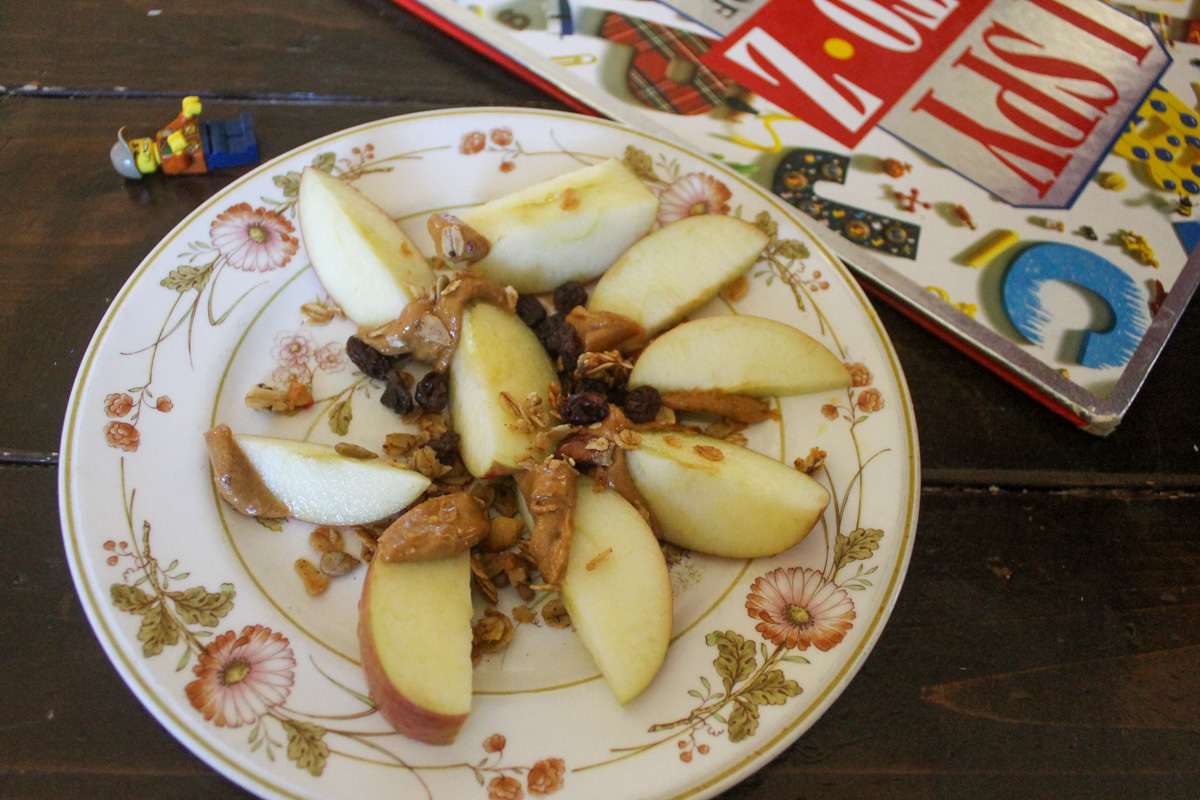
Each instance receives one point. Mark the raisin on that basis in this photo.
(569, 295)
(546, 328)
(583, 408)
(530, 310)
(565, 343)
(445, 447)
(433, 391)
(396, 396)
(642, 404)
(566, 382)
(590, 385)
(373, 363)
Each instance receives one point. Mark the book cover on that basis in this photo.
(1016, 175)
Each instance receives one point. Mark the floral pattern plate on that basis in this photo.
(204, 616)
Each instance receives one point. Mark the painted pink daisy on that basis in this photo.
(241, 678)
(798, 607)
(692, 195)
(293, 349)
(330, 357)
(253, 239)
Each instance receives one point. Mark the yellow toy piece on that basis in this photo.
(989, 247)
(146, 155)
(177, 142)
(1137, 246)
(967, 308)
(1164, 137)
(187, 146)
(1113, 181)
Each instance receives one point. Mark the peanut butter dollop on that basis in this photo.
(238, 483)
(428, 327)
(549, 492)
(438, 528)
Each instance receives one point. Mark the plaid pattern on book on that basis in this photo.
(660, 50)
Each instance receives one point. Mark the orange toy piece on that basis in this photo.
(179, 142)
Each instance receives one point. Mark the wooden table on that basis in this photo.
(1046, 643)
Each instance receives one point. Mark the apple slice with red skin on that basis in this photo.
(414, 635)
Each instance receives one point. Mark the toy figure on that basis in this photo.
(187, 145)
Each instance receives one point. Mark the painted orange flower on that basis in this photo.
(691, 195)
(117, 404)
(242, 677)
(869, 400)
(472, 143)
(254, 239)
(797, 608)
(505, 787)
(859, 374)
(164, 404)
(494, 743)
(829, 411)
(546, 777)
(122, 435)
(501, 137)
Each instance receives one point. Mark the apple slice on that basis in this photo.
(711, 353)
(318, 485)
(715, 497)
(571, 227)
(497, 354)
(618, 590)
(676, 269)
(363, 259)
(414, 635)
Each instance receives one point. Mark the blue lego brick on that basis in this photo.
(229, 142)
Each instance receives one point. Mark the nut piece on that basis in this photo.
(338, 563)
(555, 613)
(491, 634)
(315, 581)
(325, 540)
(455, 240)
(294, 397)
(351, 450)
(503, 534)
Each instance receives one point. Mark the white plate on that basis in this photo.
(182, 592)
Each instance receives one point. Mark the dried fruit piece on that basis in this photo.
(642, 404)
(530, 310)
(433, 391)
(396, 396)
(569, 295)
(584, 408)
(373, 363)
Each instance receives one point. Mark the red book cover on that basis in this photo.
(1016, 175)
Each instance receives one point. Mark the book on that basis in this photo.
(1015, 175)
